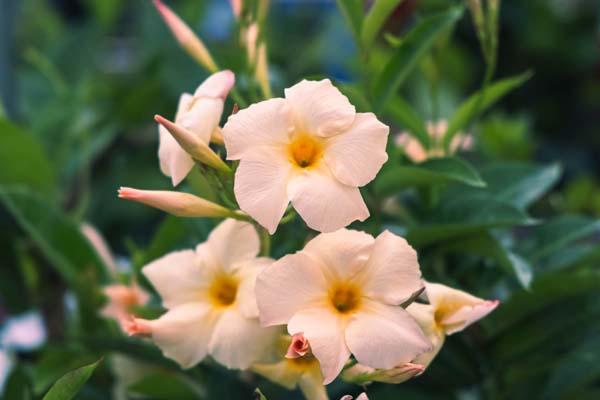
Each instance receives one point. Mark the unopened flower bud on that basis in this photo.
(177, 203)
(186, 37)
(299, 346)
(193, 145)
(361, 374)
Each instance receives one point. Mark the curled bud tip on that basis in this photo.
(136, 327)
(299, 346)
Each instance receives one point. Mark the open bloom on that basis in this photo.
(121, 301)
(300, 370)
(310, 148)
(209, 295)
(343, 292)
(450, 311)
(417, 153)
(200, 114)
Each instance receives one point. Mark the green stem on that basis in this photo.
(265, 241)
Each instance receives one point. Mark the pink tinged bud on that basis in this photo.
(362, 396)
(217, 85)
(299, 346)
(177, 203)
(136, 326)
(193, 145)
(236, 7)
(186, 37)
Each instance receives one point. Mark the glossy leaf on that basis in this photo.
(475, 105)
(22, 159)
(430, 172)
(375, 18)
(466, 216)
(405, 115)
(165, 386)
(406, 57)
(517, 183)
(69, 385)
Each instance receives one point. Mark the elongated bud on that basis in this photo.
(193, 145)
(236, 8)
(136, 326)
(186, 37)
(176, 203)
(262, 71)
(361, 374)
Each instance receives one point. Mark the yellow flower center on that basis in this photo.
(305, 150)
(345, 298)
(223, 290)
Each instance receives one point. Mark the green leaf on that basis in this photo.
(517, 183)
(258, 395)
(577, 368)
(475, 105)
(466, 215)
(59, 238)
(558, 233)
(405, 115)
(406, 57)
(22, 159)
(489, 245)
(356, 97)
(165, 386)
(430, 172)
(69, 385)
(353, 12)
(376, 17)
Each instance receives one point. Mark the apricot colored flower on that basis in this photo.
(417, 153)
(200, 114)
(450, 311)
(343, 291)
(209, 295)
(301, 370)
(310, 148)
(122, 299)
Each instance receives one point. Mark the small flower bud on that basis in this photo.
(186, 37)
(193, 145)
(177, 203)
(299, 346)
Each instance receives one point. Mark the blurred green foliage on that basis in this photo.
(517, 218)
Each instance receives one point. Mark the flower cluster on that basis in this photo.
(347, 303)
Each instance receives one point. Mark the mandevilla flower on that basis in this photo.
(450, 311)
(343, 292)
(310, 148)
(417, 153)
(299, 368)
(121, 299)
(200, 114)
(209, 295)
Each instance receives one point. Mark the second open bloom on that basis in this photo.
(209, 294)
(311, 149)
(344, 292)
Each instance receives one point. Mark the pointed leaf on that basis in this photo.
(69, 385)
(406, 57)
(403, 114)
(430, 172)
(353, 12)
(475, 105)
(376, 17)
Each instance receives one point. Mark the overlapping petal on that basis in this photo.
(177, 277)
(393, 273)
(356, 156)
(319, 107)
(288, 285)
(324, 330)
(261, 185)
(383, 336)
(266, 123)
(232, 242)
(324, 203)
(184, 331)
